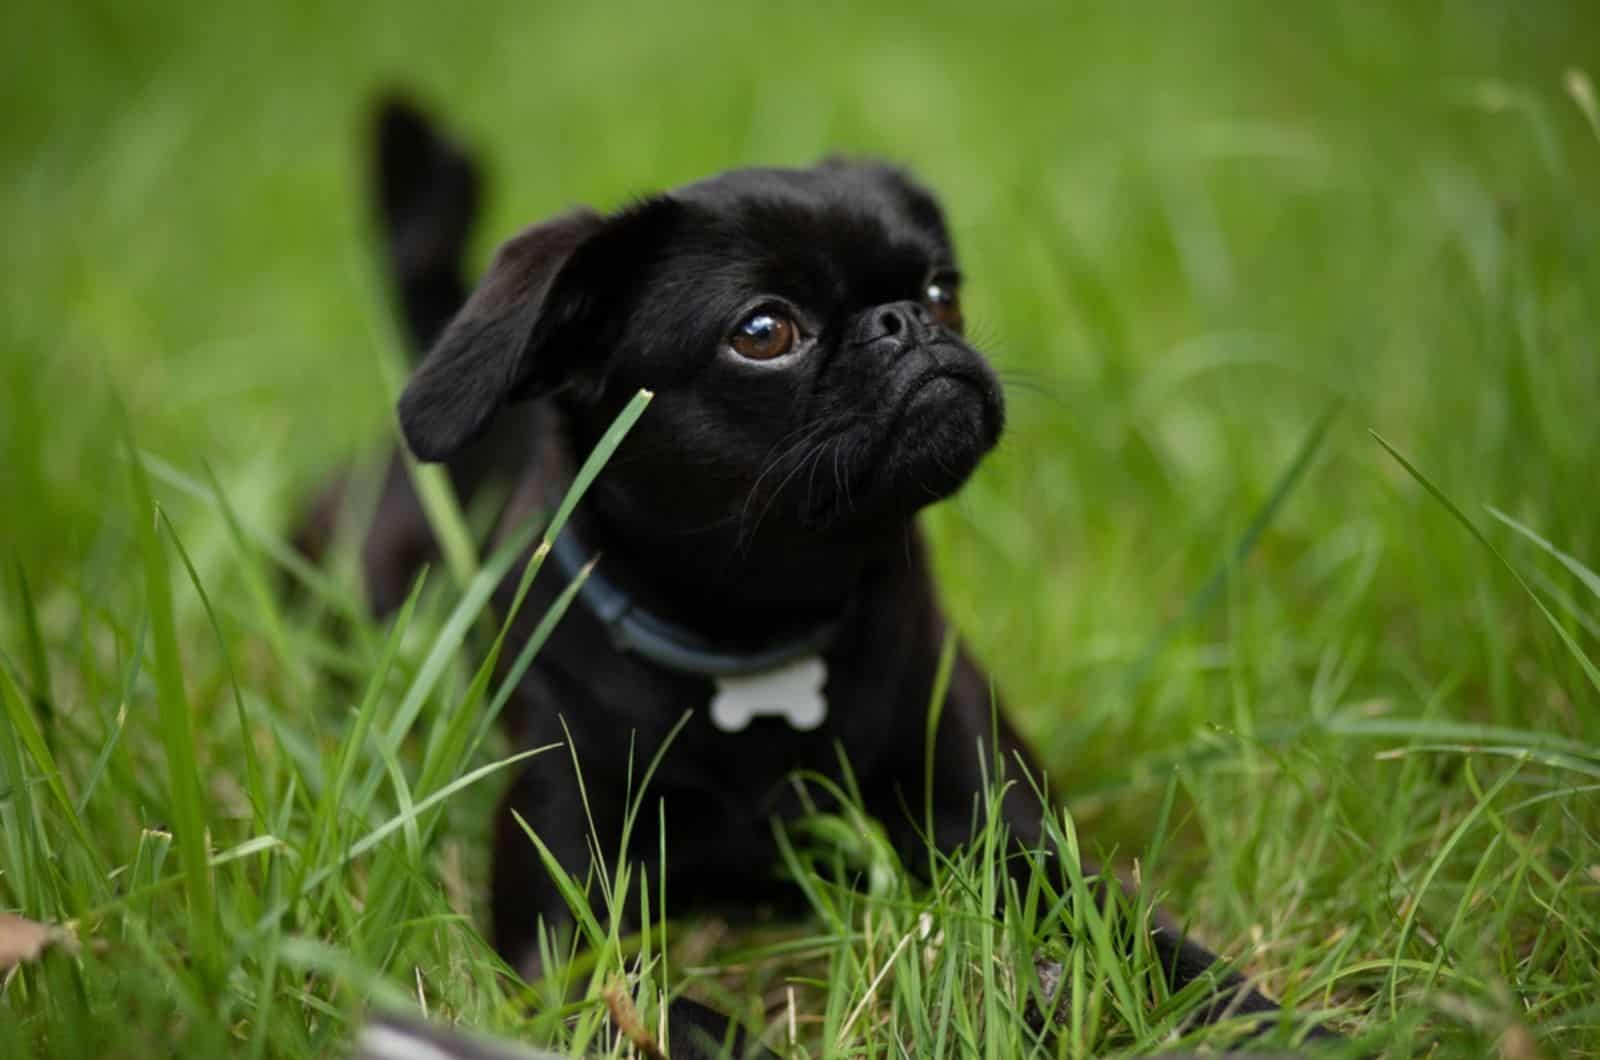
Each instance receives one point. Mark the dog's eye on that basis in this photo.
(942, 296)
(763, 335)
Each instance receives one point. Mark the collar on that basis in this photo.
(667, 643)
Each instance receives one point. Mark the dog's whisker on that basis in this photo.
(1043, 378)
(815, 459)
(810, 432)
(837, 423)
(1033, 389)
(747, 530)
(777, 492)
(839, 488)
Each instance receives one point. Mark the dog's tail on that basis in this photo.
(427, 190)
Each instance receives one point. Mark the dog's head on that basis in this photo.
(801, 330)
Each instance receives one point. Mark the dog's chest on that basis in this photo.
(721, 792)
(755, 764)
(729, 749)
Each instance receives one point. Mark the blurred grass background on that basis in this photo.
(1188, 233)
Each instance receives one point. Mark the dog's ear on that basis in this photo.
(532, 326)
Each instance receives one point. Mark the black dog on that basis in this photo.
(759, 564)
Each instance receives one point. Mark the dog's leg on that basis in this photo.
(547, 797)
(965, 759)
(1182, 959)
(695, 1032)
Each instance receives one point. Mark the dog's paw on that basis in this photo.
(399, 1038)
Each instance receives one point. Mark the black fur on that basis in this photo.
(751, 500)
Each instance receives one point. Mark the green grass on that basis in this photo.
(1300, 698)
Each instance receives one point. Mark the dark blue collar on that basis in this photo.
(667, 643)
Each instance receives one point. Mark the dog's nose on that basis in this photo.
(892, 328)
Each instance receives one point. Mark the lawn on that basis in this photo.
(1286, 565)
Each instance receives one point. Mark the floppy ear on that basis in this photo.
(481, 356)
(527, 328)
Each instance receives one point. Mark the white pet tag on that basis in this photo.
(792, 691)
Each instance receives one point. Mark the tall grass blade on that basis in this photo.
(1209, 592)
(256, 584)
(597, 458)
(941, 688)
(175, 722)
(1590, 670)
(445, 518)
(255, 784)
(445, 647)
(332, 806)
(38, 658)
(1414, 905)
(305, 573)
(25, 726)
(388, 828)
(1589, 578)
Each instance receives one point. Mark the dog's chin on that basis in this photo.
(947, 423)
(922, 451)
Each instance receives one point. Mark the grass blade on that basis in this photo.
(38, 658)
(1208, 593)
(175, 722)
(255, 786)
(1589, 669)
(1439, 859)
(478, 593)
(574, 895)
(331, 806)
(597, 459)
(1589, 578)
(445, 518)
(256, 584)
(941, 687)
(525, 656)
(307, 574)
(388, 828)
(27, 730)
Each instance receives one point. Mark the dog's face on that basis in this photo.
(801, 330)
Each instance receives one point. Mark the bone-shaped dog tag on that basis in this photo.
(792, 691)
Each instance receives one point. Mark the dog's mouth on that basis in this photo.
(922, 447)
(882, 441)
(955, 397)
(945, 389)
